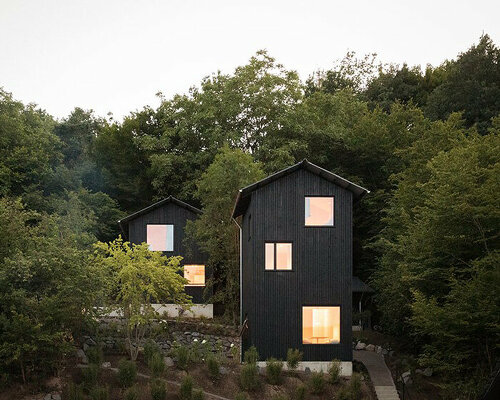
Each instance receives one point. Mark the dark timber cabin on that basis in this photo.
(162, 226)
(296, 265)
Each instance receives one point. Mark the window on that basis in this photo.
(195, 274)
(160, 237)
(278, 256)
(320, 325)
(319, 211)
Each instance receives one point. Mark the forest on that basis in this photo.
(424, 140)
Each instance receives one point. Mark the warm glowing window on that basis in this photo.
(195, 274)
(160, 237)
(320, 325)
(278, 256)
(319, 211)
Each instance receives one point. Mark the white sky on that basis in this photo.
(115, 55)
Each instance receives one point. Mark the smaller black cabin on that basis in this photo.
(162, 226)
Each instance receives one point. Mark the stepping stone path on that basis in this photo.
(379, 374)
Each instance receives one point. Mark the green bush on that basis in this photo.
(355, 386)
(150, 348)
(198, 394)
(156, 365)
(158, 389)
(317, 383)
(131, 393)
(251, 355)
(95, 355)
(90, 376)
(74, 392)
(127, 372)
(99, 393)
(344, 394)
(273, 371)
(249, 377)
(300, 392)
(213, 367)
(186, 389)
(241, 396)
(182, 357)
(293, 357)
(334, 371)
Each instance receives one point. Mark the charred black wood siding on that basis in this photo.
(178, 216)
(321, 267)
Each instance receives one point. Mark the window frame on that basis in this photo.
(274, 243)
(204, 275)
(333, 211)
(302, 324)
(173, 235)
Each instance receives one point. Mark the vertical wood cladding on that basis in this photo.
(171, 213)
(321, 272)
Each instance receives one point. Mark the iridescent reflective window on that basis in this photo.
(278, 256)
(319, 211)
(195, 274)
(160, 237)
(320, 325)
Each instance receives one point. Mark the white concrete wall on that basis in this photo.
(318, 366)
(196, 310)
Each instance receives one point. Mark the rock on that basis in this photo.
(47, 397)
(56, 396)
(391, 353)
(222, 370)
(85, 347)
(426, 372)
(384, 352)
(406, 377)
(378, 349)
(81, 355)
(106, 364)
(370, 347)
(168, 361)
(360, 346)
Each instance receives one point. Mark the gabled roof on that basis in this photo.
(170, 199)
(359, 286)
(243, 198)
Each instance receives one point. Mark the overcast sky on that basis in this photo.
(115, 55)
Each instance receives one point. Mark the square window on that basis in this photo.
(278, 256)
(195, 274)
(319, 211)
(320, 325)
(160, 237)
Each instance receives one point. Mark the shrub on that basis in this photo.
(241, 396)
(249, 377)
(280, 397)
(213, 367)
(156, 365)
(90, 376)
(132, 393)
(99, 393)
(355, 386)
(94, 355)
(273, 371)
(158, 389)
(235, 352)
(344, 394)
(182, 357)
(150, 348)
(251, 355)
(198, 395)
(74, 392)
(317, 383)
(293, 357)
(186, 389)
(300, 392)
(334, 371)
(127, 372)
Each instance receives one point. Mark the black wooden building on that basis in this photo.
(162, 226)
(296, 264)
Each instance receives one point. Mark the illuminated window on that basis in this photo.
(160, 237)
(278, 256)
(320, 325)
(319, 211)
(195, 274)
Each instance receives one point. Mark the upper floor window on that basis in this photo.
(195, 274)
(319, 211)
(278, 256)
(320, 325)
(160, 237)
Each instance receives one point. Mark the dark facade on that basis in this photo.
(172, 212)
(272, 210)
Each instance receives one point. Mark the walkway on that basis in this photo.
(379, 374)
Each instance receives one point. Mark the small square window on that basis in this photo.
(320, 325)
(278, 256)
(195, 274)
(160, 237)
(319, 211)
